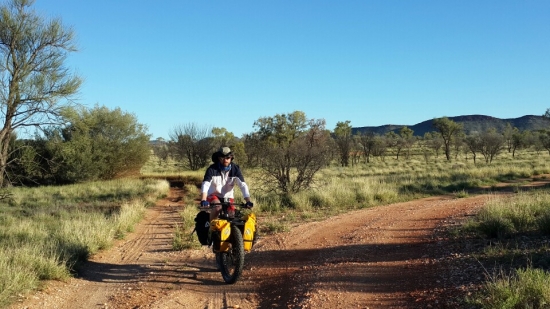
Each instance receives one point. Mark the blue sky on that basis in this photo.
(228, 63)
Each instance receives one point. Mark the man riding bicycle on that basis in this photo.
(219, 181)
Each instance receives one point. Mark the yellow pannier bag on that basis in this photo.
(249, 231)
(220, 231)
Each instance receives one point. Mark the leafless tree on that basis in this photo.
(191, 145)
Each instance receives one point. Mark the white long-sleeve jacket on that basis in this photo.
(220, 183)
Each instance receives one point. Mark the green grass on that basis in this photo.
(525, 288)
(45, 232)
(515, 231)
(526, 212)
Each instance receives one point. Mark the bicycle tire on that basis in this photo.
(231, 263)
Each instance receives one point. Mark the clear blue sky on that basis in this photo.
(228, 63)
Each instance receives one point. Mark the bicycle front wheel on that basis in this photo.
(231, 263)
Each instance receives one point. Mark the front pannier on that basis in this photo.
(202, 225)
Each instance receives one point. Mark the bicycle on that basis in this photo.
(231, 235)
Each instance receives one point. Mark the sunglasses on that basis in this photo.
(227, 158)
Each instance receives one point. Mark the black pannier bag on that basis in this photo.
(202, 225)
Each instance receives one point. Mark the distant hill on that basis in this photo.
(471, 123)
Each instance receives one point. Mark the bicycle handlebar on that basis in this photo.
(212, 205)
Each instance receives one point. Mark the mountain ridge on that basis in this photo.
(472, 123)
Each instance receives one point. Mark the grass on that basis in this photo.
(184, 238)
(524, 288)
(47, 231)
(526, 212)
(515, 231)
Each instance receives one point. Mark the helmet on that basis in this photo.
(222, 152)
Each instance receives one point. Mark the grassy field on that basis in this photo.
(46, 231)
(38, 239)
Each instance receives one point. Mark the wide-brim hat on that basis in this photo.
(222, 152)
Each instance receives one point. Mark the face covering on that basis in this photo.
(225, 168)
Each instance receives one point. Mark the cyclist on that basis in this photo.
(219, 180)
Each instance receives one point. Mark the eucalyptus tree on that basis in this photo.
(474, 144)
(344, 141)
(492, 143)
(97, 144)
(401, 142)
(366, 141)
(293, 149)
(406, 140)
(34, 81)
(449, 131)
(508, 134)
(519, 140)
(222, 138)
(432, 140)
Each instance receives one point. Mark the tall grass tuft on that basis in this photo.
(526, 212)
(527, 288)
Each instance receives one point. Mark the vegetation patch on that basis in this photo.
(47, 231)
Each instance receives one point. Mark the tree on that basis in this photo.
(544, 139)
(98, 144)
(473, 142)
(380, 146)
(458, 143)
(161, 151)
(34, 82)
(192, 145)
(367, 142)
(519, 140)
(25, 164)
(448, 130)
(221, 138)
(492, 143)
(406, 139)
(392, 142)
(293, 149)
(508, 133)
(433, 141)
(253, 145)
(344, 141)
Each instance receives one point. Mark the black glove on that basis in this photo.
(205, 204)
(249, 205)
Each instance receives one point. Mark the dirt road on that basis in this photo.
(385, 257)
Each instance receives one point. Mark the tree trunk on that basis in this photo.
(4, 148)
